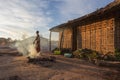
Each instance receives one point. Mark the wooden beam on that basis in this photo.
(74, 38)
(61, 40)
(50, 41)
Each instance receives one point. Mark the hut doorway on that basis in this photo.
(74, 38)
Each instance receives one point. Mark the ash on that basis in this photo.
(42, 60)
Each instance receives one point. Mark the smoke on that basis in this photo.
(27, 48)
(22, 48)
(32, 51)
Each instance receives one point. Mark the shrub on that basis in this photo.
(109, 56)
(94, 55)
(55, 49)
(86, 54)
(62, 51)
(117, 50)
(117, 54)
(77, 54)
(57, 52)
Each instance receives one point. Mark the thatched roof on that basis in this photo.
(58, 28)
(107, 9)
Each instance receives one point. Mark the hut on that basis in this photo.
(99, 30)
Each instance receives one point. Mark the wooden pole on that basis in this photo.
(61, 40)
(50, 41)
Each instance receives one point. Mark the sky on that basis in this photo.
(19, 18)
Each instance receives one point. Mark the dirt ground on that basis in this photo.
(12, 65)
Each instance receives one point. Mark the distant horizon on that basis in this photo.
(24, 17)
(25, 38)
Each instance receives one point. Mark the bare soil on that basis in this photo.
(15, 67)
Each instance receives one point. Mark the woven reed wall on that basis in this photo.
(97, 36)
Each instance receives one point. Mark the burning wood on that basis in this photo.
(44, 61)
(51, 59)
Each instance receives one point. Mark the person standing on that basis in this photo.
(37, 42)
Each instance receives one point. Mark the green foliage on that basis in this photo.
(117, 50)
(77, 54)
(92, 55)
(86, 54)
(55, 49)
(117, 54)
(109, 56)
(57, 52)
